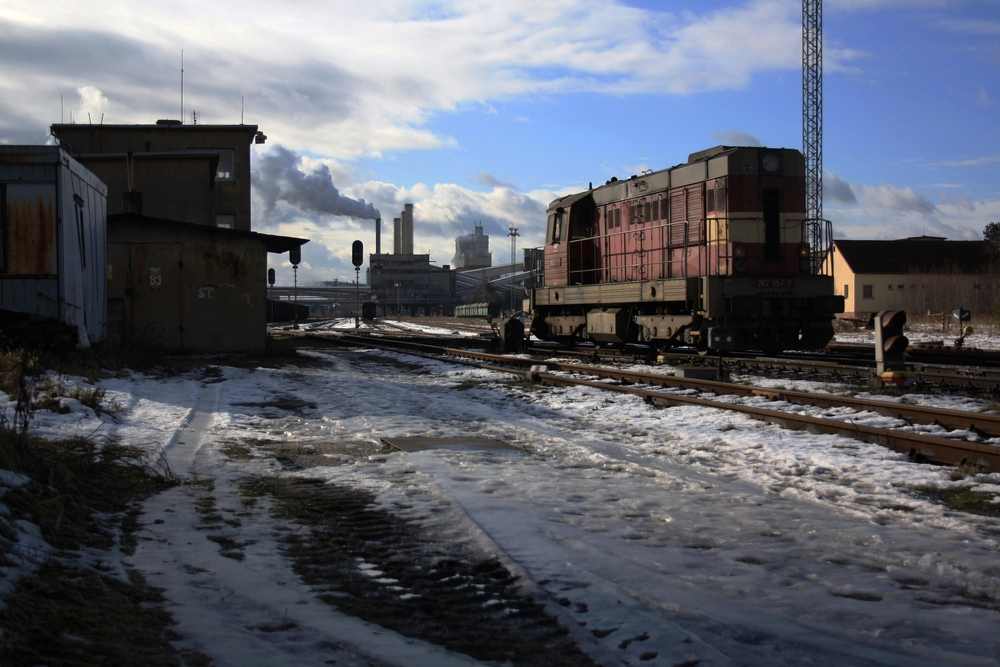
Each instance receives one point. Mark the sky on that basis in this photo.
(483, 111)
(695, 534)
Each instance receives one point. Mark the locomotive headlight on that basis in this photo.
(740, 266)
(739, 252)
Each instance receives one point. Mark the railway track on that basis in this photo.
(837, 365)
(962, 444)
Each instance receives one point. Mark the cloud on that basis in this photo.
(837, 190)
(276, 177)
(736, 138)
(983, 100)
(361, 81)
(893, 199)
(493, 182)
(961, 201)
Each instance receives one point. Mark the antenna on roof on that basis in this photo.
(89, 121)
(62, 110)
(182, 85)
(242, 98)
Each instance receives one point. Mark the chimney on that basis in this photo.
(397, 237)
(407, 240)
(378, 236)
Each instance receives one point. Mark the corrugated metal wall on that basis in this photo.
(56, 234)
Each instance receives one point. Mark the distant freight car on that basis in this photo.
(721, 241)
(472, 310)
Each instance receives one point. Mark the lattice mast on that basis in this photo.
(812, 129)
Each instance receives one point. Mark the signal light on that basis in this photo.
(890, 343)
(357, 254)
(961, 315)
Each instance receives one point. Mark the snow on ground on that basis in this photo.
(387, 325)
(985, 336)
(688, 533)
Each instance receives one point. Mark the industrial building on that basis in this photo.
(405, 283)
(472, 251)
(146, 167)
(185, 271)
(53, 226)
(925, 274)
(175, 285)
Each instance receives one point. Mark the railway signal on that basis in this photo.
(357, 258)
(890, 343)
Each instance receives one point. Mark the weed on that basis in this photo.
(965, 470)
(962, 499)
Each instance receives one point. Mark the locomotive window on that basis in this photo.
(550, 230)
(867, 291)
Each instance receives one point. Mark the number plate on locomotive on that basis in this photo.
(774, 283)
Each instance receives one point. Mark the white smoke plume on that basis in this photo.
(277, 177)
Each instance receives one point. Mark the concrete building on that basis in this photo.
(146, 167)
(472, 251)
(53, 226)
(919, 275)
(180, 286)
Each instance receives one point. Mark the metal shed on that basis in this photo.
(181, 286)
(53, 239)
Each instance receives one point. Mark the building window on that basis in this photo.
(847, 291)
(900, 286)
(867, 291)
(890, 287)
(227, 163)
(225, 221)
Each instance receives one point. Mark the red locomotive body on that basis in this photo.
(663, 257)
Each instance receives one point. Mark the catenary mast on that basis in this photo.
(812, 125)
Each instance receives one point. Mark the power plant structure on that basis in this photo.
(472, 251)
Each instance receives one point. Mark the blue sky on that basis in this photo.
(476, 111)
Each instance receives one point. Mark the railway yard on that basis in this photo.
(399, 494)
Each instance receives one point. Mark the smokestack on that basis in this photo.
(397, 237)
(378, 236)
(408, 229)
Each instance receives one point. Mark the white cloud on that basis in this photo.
(892, 199)
(837, 190)
(93, 105)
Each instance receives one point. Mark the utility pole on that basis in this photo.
(812, 127)
(512, 233)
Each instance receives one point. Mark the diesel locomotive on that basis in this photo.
(717, 252)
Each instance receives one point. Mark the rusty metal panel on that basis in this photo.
(31, 229)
